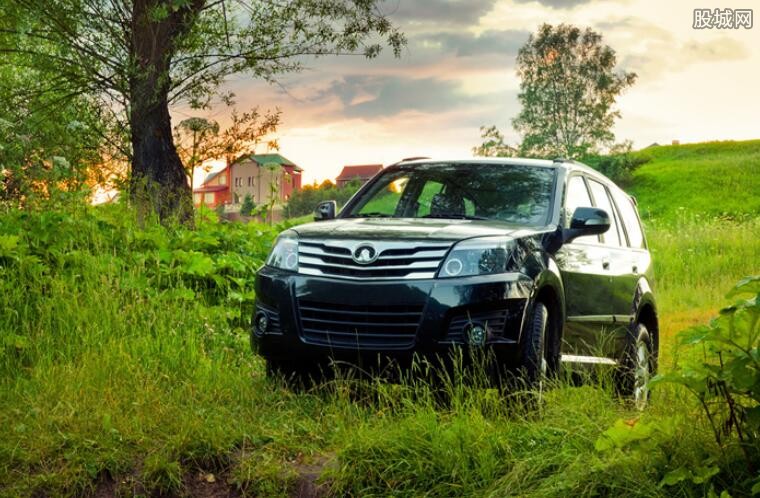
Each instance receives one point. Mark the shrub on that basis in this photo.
(618, 165)
(248, 205)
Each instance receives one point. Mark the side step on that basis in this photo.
(596, 360)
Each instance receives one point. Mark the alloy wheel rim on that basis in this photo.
(641, 376)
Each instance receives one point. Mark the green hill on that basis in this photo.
(710, 178)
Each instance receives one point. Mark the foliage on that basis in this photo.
(49, 151)
(248, 205)
(136, 58)
(724, 371)
(304, 201)
(568, 87)
(493, 144)
(199, 140)
(618, 163)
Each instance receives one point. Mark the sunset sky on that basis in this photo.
(458, 73)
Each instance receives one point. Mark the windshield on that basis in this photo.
(510, 193)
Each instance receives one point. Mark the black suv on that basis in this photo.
(541, 261)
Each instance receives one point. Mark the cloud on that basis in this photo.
(369, 97)
(652, 50)
(506, 42)
(449, 12)
(557, 4)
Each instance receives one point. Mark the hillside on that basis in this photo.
(711, 178)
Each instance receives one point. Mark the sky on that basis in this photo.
(457, 73)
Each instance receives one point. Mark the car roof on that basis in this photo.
(558, 163)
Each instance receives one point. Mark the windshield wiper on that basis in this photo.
(456, 217)
(370, 215)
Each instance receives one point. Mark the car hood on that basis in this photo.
(410, 229)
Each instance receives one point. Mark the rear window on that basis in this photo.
(630, 219)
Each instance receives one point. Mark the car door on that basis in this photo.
(619, 260)
(585, 267)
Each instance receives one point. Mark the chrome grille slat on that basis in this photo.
(395, 259)
(305, 260)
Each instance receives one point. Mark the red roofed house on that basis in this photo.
(363, 172)
(252, 175)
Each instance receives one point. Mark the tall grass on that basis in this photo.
(125, 365)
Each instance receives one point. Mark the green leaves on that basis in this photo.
(723, 371)
(624, 433)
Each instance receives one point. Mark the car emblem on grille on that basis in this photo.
(365, 254)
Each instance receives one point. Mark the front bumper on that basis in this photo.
(318, 317)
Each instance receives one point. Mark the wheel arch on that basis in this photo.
(645, 313)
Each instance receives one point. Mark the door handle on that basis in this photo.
(606, 264)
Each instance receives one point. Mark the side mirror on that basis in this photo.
(586, 221)
(325, 210)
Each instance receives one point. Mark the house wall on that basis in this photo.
(248, 177)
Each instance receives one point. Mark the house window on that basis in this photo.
(197, 198)
(223, 179)
(250, 181)
(208, 198)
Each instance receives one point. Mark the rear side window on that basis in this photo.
(612, 236)
(578, 196)
(630, 219)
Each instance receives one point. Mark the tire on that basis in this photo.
(535, 357)
(637, 366)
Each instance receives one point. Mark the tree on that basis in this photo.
(48, 149)
(248, 206)
(568, 89)
(493, 144)
(139, 57)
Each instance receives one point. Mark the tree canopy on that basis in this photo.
(136, 58)
(568, 89)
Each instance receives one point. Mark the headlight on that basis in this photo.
(483, 256)
(284, 254)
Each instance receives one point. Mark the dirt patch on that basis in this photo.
(208, 485)
(307, 485)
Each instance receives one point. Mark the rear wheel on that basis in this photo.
(637, 367)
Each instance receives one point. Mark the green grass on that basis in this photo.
(125, 366)
(710, 179)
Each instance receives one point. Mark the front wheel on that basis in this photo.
(538, 354)
(637, 367)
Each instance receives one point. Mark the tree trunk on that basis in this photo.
(158, 182)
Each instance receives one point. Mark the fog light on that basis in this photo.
(261, 322)
(475, 334)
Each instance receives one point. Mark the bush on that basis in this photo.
(248, 205)
(618, 165)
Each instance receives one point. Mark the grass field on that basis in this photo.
(125, 369)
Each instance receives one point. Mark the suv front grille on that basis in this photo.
(363, 327)
(416, 260)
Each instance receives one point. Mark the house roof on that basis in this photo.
(360, 171)
(213, 175)
(269, 158)
(211, 188)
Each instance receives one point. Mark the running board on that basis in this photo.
(596, 360)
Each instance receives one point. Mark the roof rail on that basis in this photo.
(559, 160)
(415, 158)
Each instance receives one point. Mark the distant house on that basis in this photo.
(254, 175)
(360, 172)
